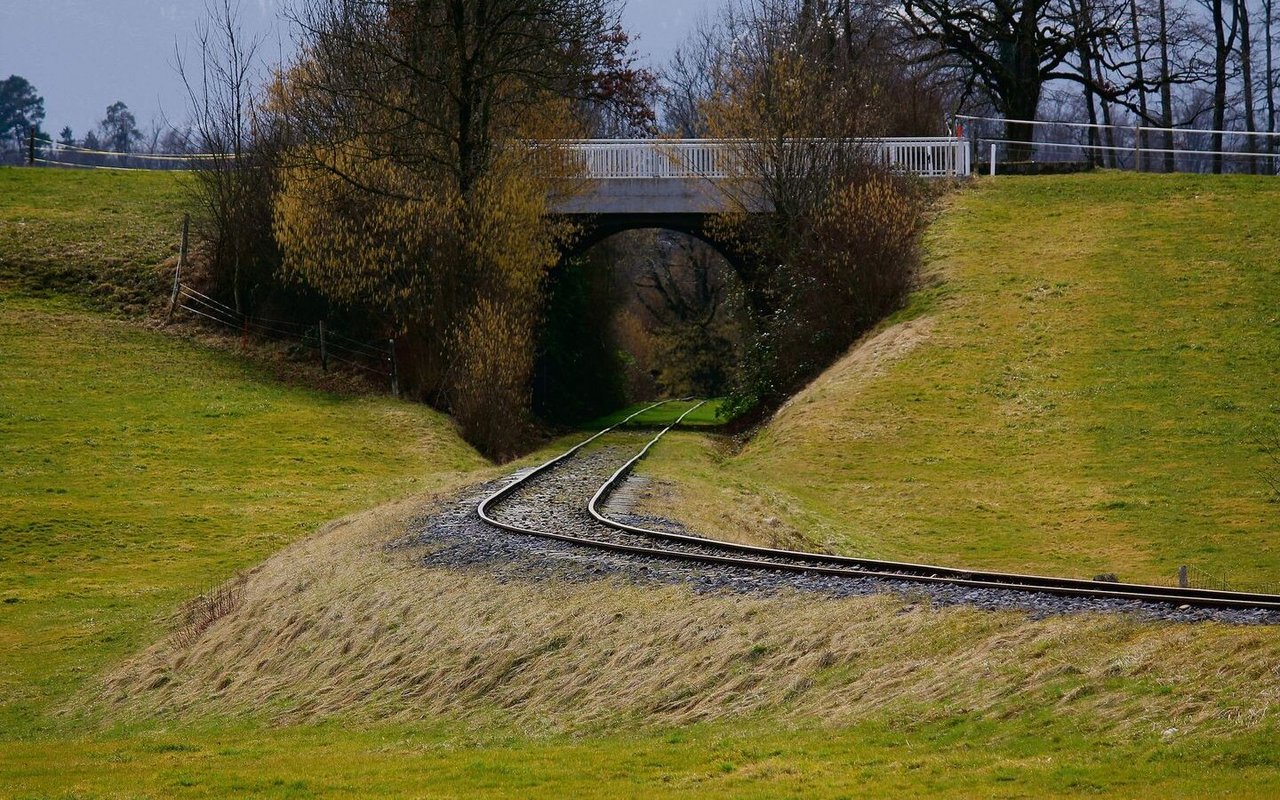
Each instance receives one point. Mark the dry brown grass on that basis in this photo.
(869, 358)
(200, 612)
(754, 512)
(339, 626)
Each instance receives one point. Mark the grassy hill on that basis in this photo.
(350, 671)
(1080, 389)
(138, 468)
(105, 237)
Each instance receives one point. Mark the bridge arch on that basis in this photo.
(596, 311)
(596, 228)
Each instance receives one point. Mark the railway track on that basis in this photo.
(549, 501)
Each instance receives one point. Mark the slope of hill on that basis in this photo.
(353, 670)
(137, 469)
(1081, 388)
(101, 236)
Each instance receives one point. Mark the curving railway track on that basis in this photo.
(562, 500)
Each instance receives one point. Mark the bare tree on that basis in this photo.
(801, 86)
(1166, 88)
(1012, 48)
(1269, 79)
(687, 293)
(1084, 53)
(1267, 440)
(1224, 42)
(233, 175)
(794, 94)
(1139, 60)
(412, 190)
(454, 76)
(1246, 81)
(689, 82)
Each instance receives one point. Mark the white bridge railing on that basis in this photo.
(604, 159)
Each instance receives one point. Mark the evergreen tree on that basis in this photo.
(21, 111)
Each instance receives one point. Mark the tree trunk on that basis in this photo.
(1021, 90)
(1270, 82)
(1113, 155)
(1246, 77)
(1166, 91)
(1142, 81)
(1093, 71)
(1021, 133)
(1082, 50)
(1223, 43)
(235, 283)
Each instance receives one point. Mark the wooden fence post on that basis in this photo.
(1182, 576)
(31, 147)
(177, 271)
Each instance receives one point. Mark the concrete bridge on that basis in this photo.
(680, 184)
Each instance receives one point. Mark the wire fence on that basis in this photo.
(59, 154)
(374, 359)
(1133, 147)
(1119, 146)
(1197, 578)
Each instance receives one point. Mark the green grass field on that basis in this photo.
(755, 759)
(1078, 391)
(137, 469)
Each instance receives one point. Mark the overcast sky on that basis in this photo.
(83, 55)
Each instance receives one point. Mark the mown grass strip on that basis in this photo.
(745, 760)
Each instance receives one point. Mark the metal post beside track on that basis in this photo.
(395, 371)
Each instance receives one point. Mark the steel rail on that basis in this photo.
(825, 564)
(483, 508)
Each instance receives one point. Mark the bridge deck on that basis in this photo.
(612, 159)
(685, 176)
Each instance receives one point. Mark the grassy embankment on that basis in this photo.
(136, 468)
(1078, 391)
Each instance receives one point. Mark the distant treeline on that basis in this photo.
(115, 142)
